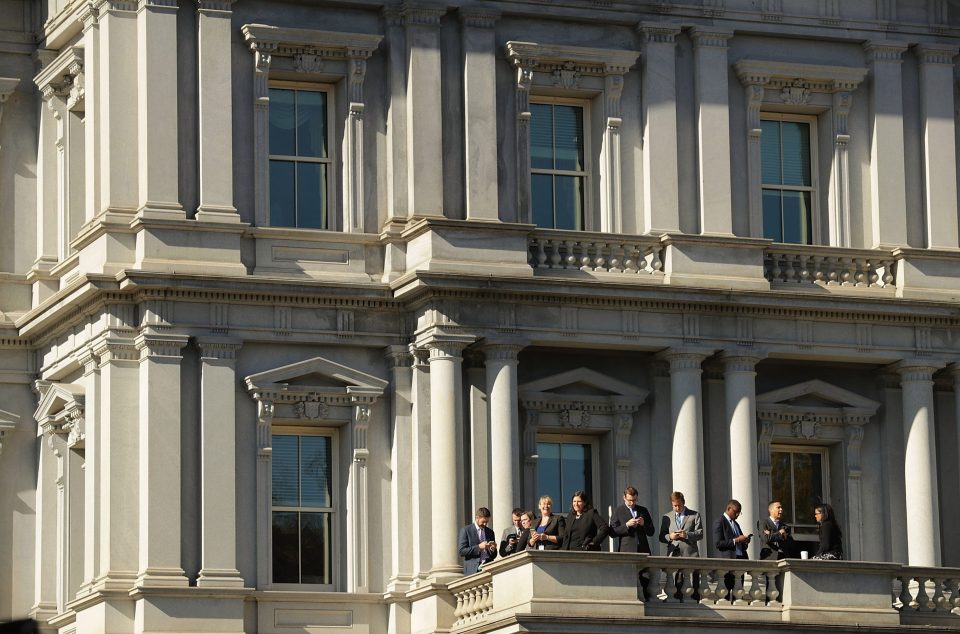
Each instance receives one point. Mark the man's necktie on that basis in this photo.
(679, 519)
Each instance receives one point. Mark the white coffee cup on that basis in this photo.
(804, 554)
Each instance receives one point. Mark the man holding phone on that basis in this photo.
(730, 539)
(511, 535)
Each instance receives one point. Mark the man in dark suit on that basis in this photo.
(477, 543)
(777, 542)
(632, 525)
(729, 539)
(508, 541)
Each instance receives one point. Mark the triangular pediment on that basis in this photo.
(317, 374)
(583, 382)
(57, 397)
(817, 394)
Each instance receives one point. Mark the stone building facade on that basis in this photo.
(287, 289)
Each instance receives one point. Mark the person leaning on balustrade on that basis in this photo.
(585, 529)
(831, 538)
(549, 527)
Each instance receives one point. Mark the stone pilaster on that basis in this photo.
(480, 113)
(661, 186)
(888, 202)
(402, 439)
(501, 363)
(218, 477)
(713, 129)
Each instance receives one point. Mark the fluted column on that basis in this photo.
(920, 462)
(159, 465)
(157, 90)
(446, 414)
(939, 144)
(215, 112)
(218, 432)
(504, 430)
(888, 201)
(686, 415)
(480, 114)
(740, 391)
(713, 129)
(661, 185)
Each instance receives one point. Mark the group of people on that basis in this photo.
(631, 525)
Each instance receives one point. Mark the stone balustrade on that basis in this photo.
(926, 592)
(474, 596)
(829, 267)
(596, 253)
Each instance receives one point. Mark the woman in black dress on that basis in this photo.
(586, 530)
(831, 538)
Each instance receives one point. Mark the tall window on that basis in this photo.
(787, 172)
(558, 172)
(799, 479)
(299, 158)
(562, 468)
(302, 509)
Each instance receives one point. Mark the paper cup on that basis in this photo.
(804, 554)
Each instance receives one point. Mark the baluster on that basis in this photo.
(833, 276)
(585, 256)
(600, 262)
(789, 268)
(569, 259)
(724, 596)
(920, 599)
(630, 259)
(757, 593)
(939, 600)
(554, 254)
(656, 262)
(874, 277)
(954, 602)
(863, 277)
(819, 274)
(806, 263)
(458, 611)
(670, 586)
(848, 276)
(905, 599)
(888, 276)
(738, 589)
(541, 254)
(707, 595)
(775, 270)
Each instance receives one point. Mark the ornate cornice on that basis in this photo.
(166, 346)
(941, 54)
(218, 347)
(327, 45)
(422, 13)
(709, 37)
(478, 17)
(885, 51)
(659, 32)
(551, 58)
(813, 77)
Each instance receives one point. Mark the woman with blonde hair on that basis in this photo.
(548, 529)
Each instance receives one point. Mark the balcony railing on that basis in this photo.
(829, 267)
(596, 253)
(559, 588)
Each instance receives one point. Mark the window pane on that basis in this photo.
(796, 217)
(808, 484)
(315, 471)
(311, 123)
(282, 122)
(574, 471)
(282, 194)
(315, 547)
(569, 205)
(770, 153)
(286, 558)
(772, 220)
(311, 195)
(780, 482)
(795, 137)
(541, 191)
(286, 487)
(548, 472)
(568, 131)
(541, 136)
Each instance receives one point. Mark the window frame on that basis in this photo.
(824, 452)
(562, 506)
(814, 188)
(281, 429)
(333, 156)
(586, 121)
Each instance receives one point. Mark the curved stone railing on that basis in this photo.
(927, 590)
(828, 266)
(595, 253)
(693, 579)
(474, 597)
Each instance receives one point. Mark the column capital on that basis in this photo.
(478, 16)
(502, 350)
(658, 32)
(218, 347)
(443, 346)
(167, 345)
(885, 51)
(398, 356)
(685, 358)
(737, 361)
(710, 37)
(215, 6)
(423, 13)
(916, 370)
(931, 53)
(110, 349)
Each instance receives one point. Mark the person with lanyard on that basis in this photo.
(680, 530)
(729, 539)
(477, 542)
(549, 529)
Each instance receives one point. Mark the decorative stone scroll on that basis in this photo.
(575, 69)
(813, 88)
(329, 56)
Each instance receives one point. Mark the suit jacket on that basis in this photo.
(723, 537)
(468, 543)
(556, 526)
(520, 544)
(831, 539)
(691, 523)
(584, 533)
(775, 545)
(633, 539)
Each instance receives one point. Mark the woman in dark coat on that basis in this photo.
(831, 538)
(586, 530)
(548, 529)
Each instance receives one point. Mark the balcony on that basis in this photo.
(598, 592)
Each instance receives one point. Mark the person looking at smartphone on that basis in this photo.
(511, 534)
(729, 539)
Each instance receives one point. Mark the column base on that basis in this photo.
(217, 213)
(162, 578)
(219, 578)
(444, 574)
(161, 211)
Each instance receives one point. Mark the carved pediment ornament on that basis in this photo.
(575, 417)
(796, 94)
(567, 77)
(307, 63)
(312, 410)
(806, 427)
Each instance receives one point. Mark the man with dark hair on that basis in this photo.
(680, 529)
(777, 542)
(729, 539)
(477, 543)
(631, 525)
(508, 542)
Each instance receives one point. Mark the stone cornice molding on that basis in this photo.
(61, 411)
(545, 395)
(936, 53)
(813, 77)
(332, 45)
(659, 32)
(885, 51)
(585, 61)
(710, 37)
(61, 74)
(786, 413)
(8, 422)
(478, 16)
